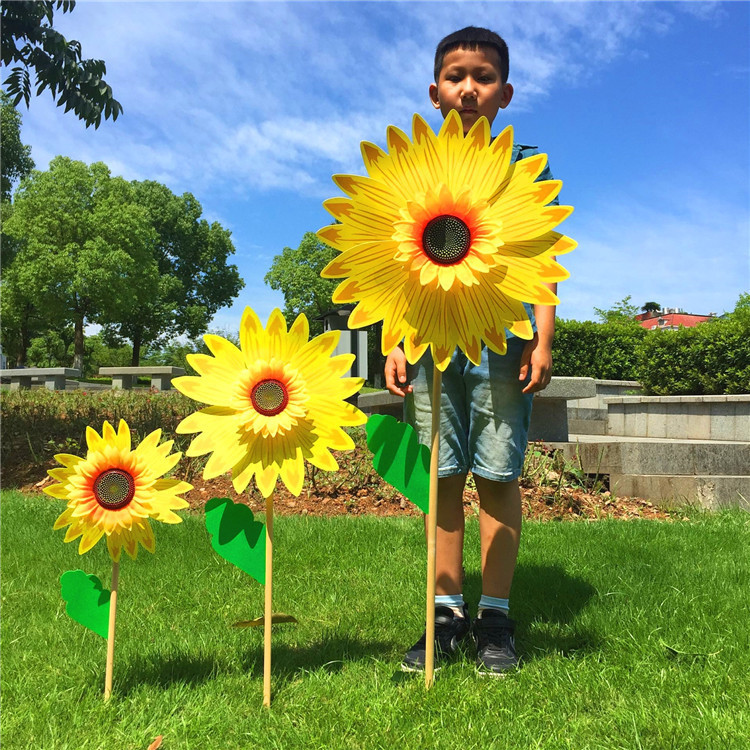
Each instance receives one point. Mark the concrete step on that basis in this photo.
(589, 426)
(587, 420)
(710, 492)
(607, 455)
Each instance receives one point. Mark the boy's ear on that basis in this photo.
(434, 96)
(507, 96)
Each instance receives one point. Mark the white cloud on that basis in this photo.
(691, 252)
(277, 94)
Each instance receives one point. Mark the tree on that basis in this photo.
(296, 273)
(651, 307)
(22, 317)
(29, 39)
(621, 312)
(741, 312)
(86, 249)
(47, 350)
(15, 164)
(195, 279)
(16, 158)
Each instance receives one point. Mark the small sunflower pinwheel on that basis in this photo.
(112, 492)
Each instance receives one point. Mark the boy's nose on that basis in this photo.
(468, 89)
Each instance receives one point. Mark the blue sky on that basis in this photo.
(252, 106)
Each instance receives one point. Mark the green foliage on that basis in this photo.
(621, 312)
(741, 312)
(16, 158)
(650, 307)
(29, 39)
(711, 359)
(48, 350)
(606, 351)
(601, 610)
(86, 250)
(39, 423)
(296, 273)
(98, 353)
(195, 277)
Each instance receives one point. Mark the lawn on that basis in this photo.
(633, 635)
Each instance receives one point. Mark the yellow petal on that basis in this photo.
(60, 491)
(293, 473)
(266, 478)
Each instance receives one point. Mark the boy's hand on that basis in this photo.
(395, 373)
(539, 359)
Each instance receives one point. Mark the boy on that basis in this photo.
(485, 410)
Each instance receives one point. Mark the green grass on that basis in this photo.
(597, 605)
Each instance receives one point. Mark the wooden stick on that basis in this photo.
(268, 614)
(429, 656)
(111, 631)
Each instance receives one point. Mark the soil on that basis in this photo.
(544, 503)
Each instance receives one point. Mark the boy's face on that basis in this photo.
(470, 82)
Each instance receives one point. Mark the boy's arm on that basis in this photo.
(537, 353)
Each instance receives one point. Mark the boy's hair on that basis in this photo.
(470, 38)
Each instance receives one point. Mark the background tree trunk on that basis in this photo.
(78, 350)
(137, 338)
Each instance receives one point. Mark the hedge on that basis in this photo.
(712, 358)
(605, 351)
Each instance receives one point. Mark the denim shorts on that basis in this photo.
(484, 417)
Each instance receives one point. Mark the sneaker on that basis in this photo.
(496, 645)
(450, 631)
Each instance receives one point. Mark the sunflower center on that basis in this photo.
(446, 239)
(114, 489)
(269, 397)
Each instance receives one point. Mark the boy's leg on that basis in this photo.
(450, 536)
(500, 533)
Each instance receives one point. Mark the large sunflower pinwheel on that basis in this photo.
(445, 239)
(275, 402)
(115, 490)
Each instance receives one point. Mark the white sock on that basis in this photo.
(454, 601)
(493, 602)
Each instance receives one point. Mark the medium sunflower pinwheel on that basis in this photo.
(275, 402)
(445, 239)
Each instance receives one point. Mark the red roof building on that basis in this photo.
(671, 318)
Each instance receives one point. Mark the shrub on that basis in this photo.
(710, 359)
(39, 423)
(606, 351)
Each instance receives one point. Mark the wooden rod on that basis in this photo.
(429, 657)
(268, 613)
(111, 631)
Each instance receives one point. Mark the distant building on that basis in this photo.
(671, 318)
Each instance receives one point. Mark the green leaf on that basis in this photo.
(237, 536)
(86, 600)
(399, 458)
